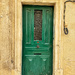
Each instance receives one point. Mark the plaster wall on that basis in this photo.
(10, 36)
(69, 41)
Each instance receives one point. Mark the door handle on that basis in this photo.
(37, 46)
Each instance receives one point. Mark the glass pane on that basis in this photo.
(37, 24)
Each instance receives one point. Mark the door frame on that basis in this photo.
(57, 70)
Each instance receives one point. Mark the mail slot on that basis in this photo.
(37, 53)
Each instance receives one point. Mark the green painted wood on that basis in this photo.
(37, 61)
(28, 26)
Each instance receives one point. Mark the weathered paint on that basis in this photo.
(10, 29)
(37, 54)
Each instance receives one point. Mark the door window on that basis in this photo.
(37, 24)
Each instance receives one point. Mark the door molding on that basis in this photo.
(57, 69)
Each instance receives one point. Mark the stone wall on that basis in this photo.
(7, 51)
(69, 40)
(65, 48)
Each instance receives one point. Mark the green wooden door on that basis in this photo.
(37, 50)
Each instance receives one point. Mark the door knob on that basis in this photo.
(37, 46)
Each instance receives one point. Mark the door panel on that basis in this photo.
(37, 48)
(28, 26)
